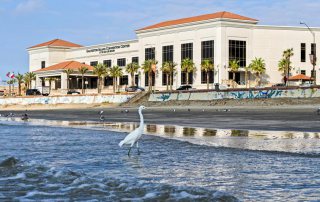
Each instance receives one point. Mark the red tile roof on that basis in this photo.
(300, 77)
(66, 65)
(219, 15)
(57, 42)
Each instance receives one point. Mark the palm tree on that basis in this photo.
(147, 67)
(234, 66)
(172, 67)
(11, 84)
(132, 68)
(68, 72)
(283, 67)
(82, 70)
(20, 79)
(258, 66)
(28, 78)
(187, 66)
(166, 70)
(100, 70)
(207, 66)
(287, 54)
(115, 72)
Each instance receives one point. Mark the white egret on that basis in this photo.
(133, 137)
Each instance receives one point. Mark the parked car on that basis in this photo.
(73, 92)
(134, 89)
(185, 87)
(279, 85)
(33, 92)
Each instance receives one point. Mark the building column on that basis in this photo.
(197, 61)
(37, 82)
(64, 82)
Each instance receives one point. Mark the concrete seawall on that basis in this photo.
(235, 94)
(72, 99)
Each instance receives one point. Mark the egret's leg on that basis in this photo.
(138, 148)
(129, 151)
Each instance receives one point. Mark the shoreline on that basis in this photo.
(301, 118)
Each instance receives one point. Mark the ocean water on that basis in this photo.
(78, 161)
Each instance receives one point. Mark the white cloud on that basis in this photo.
(28, 6)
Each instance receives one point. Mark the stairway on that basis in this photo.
(135, 100)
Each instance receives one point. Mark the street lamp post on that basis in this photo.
(313, 56)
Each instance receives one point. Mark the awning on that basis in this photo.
(300, 77)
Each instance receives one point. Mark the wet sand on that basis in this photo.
(289, 118)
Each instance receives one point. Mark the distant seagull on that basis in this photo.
(126, 111)
(101, 116)
(203, 110)
(133, 137)
(174, 110)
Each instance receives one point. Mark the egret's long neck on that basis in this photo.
(141, 118)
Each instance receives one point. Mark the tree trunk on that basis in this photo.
(114, 85)
(187, 78)
(207, 80)
(246, 78)
(150, 81)
(167, 75)
(171, 80)
(82, 84)
(233, 78)
(19, 88)
(132, 79)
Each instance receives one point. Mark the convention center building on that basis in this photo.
(219, 37)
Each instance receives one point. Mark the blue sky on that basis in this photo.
(87, 22)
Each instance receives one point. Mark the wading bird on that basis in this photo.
(133, 137)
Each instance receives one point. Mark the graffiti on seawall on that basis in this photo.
(250, 94)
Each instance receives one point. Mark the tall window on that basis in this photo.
(167, 56)
(108, 81)
(207, 53)
(94, 63)
(121, 62)
(303, 52)
(186, 52)
(43, 64)
(237, 51)
(124, 80)
(135, 59)
(107, 63)
(150, 54)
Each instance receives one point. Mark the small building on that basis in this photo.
(220, 37)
